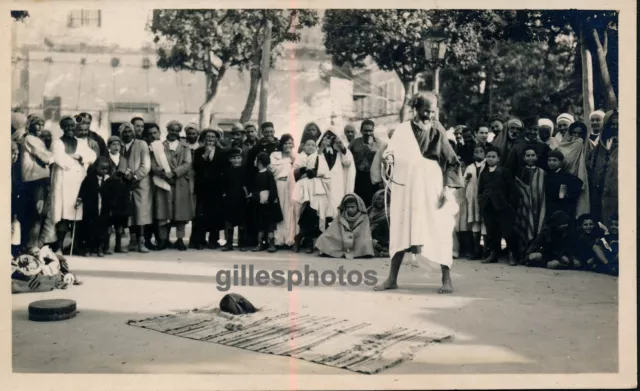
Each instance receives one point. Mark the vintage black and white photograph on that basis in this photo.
(300, 191)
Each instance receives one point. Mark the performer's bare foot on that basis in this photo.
(385, 285)
(446, 287)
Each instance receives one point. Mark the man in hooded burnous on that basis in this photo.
(422, 171)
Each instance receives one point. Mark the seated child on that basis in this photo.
(474, 216)
(531, 206)
(553, 247)
(606, 250)
(235, 197)
(379, 222)
(311, 194)
(586, 235)
(350, 235)
(91, 197)
(266, 204)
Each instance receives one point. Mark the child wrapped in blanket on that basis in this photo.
(350, 235)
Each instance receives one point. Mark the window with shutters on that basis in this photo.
(85, 18)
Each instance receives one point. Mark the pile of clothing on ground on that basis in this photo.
(40, 270)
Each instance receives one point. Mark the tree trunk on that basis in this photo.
(264, 79)
(408, 96)
(611, 100)
(247, 112)
(213, 81)
(587, 79)
(436, 89)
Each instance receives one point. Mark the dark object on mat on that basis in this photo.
(52, 310)
(236, 304)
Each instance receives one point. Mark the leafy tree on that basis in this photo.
(213, 40)
(597, 31)
(392, 38)
(530, 56)
(525, 79)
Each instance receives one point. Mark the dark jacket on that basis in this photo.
(114, 197)
(497, 189)
(208, 174)
(261, 146)
(553, 181)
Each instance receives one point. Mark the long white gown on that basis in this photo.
(343, 178)
(67, 175)
(416, 187)
(282, 169)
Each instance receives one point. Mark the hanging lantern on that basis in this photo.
(83, 61)
(435, 47)
(146, 63)
(115, 62)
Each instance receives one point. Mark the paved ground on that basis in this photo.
(504, 319)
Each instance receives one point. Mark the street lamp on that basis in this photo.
(435, 47)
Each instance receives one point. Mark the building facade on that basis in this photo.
(102, 61)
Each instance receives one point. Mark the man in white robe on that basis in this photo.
(72, 157)
(342, 171)
(422, 173)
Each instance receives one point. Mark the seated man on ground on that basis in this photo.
(350, 235)
(553, 247)
(587, 232)
(606, 250)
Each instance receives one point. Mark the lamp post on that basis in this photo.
(435, 48)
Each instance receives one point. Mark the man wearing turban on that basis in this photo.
(18, 123)
(603, 171)
(545, 131)
(136, 153)
(36, 170)
(596, 120)
(563, 122)
(515, 160)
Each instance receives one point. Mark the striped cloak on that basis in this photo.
(530, 213)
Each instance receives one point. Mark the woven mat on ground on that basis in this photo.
(356, 346)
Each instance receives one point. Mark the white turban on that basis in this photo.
(597, 113)
(565, 117)
(546, 122)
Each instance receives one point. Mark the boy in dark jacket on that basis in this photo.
(497, 199)
(266, 205)
(95, 221)
(235, 198)
(561, 188)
